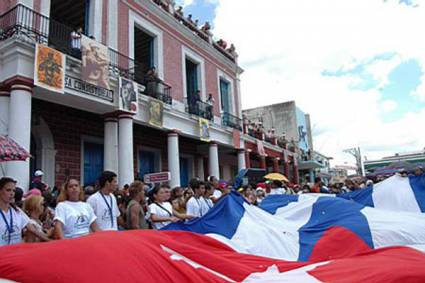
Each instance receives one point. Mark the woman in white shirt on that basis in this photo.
(73, 217)
(13, 221)
(161, 212)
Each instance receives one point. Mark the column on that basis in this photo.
(201, 170)
(110, 145)
(285, 164)
(296, 173)
(20, 131)
(213, 165)
(4, 122)
(276, 165)
(125, 149)
(262, 162)
(174, 159)
(241, 159)
(247, 159)
(311, 175)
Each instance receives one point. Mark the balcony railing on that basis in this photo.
(22, 21)
(159, 90)
(200, 108)
(232, 121)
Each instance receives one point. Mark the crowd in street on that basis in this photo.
(45, 214)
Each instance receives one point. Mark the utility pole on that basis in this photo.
(356, 153)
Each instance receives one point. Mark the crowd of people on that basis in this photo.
(44, 214)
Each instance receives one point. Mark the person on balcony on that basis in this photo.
(194, 100)
(232, 51)
(76, 42)
(152, 82)
(210, 107)
(222, 43)
(206, 28)
(179, 11)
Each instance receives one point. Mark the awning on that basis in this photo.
(309, 164)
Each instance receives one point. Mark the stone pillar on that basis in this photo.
(276, 165)
(214, 168)
(262, 162)
(296, 173)
(285, 164)
(247, 159)
(311, 175)
(20, 131)
(4, 122)
(201, 170)
(110, 145)
(241, 159)
(174, 159)
(125, 149)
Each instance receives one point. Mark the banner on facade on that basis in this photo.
(95, 63)
(49, 68)
(128, 95)
(236, 138)
(156, 112)
(204, 129)
(260, 148)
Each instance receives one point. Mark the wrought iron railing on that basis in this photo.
(199, 108)
(158, 90)
(23, 21)
(231, 121)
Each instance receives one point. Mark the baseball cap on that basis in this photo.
(38, 173)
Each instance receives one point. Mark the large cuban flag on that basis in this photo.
(182, 257)
(395, 193)
(291, 227)
(306, 238)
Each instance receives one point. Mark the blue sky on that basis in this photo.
(402, 80)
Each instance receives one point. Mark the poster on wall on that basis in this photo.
(156, 112)
(260, 148)
(49, 68)
(128, 95)
(95, 63)
(204, 130)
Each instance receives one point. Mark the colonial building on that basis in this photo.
(67, 67)
(287, 125)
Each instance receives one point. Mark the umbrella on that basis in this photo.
(276, 176)
(11, 150)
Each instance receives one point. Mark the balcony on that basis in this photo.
(158, 90)
(21, 21)
(232, 121)
(200, 108)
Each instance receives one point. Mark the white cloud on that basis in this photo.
(285, 46)
(184, 3)
(388, 105)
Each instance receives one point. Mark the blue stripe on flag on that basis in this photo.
(273, 202)
(222, 219)
(328, 213)
(363, 196)
(418, 186)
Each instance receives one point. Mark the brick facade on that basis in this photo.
(67, 126)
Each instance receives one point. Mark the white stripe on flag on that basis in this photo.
(395, 193)
(390, 228)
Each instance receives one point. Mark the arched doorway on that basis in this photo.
(43, 151)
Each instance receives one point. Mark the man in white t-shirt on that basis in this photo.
(277, 188)
(104, 202)
(197, 205)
